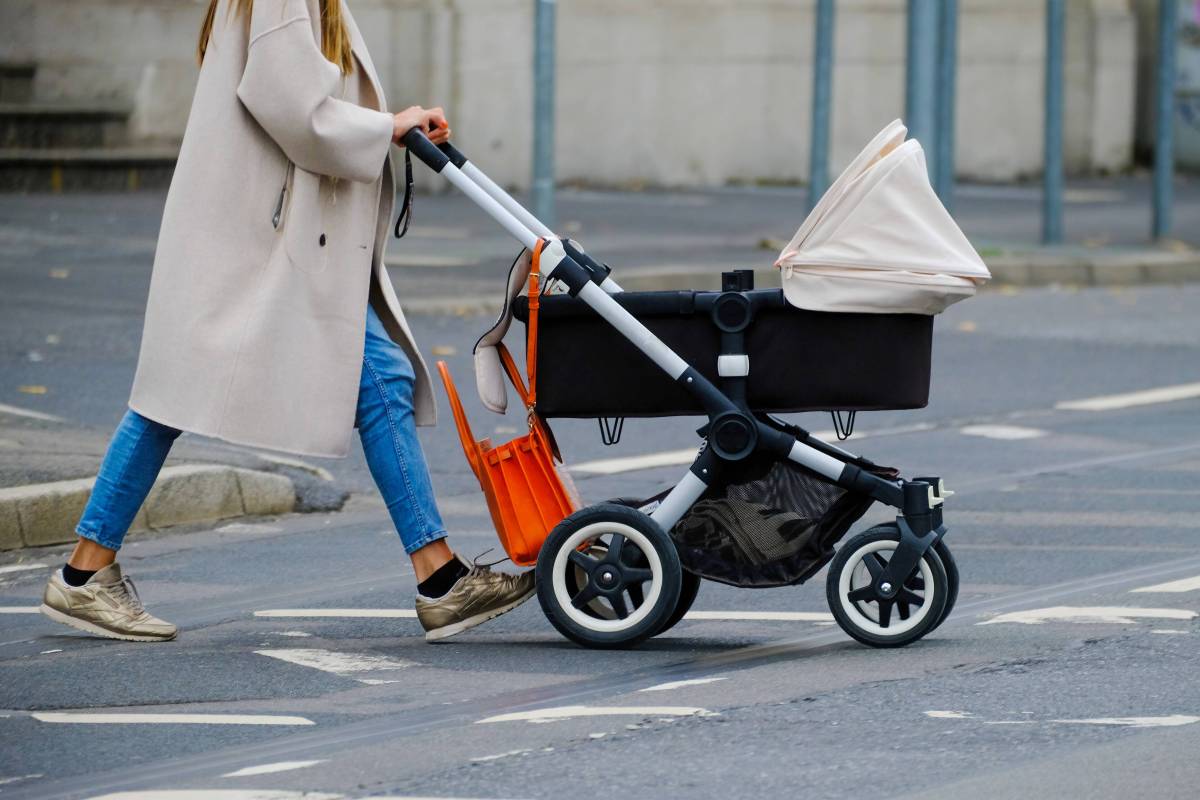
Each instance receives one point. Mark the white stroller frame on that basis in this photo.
(734, 432)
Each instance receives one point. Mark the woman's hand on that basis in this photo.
(431, 121)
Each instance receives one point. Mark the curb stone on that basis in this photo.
(46, 513)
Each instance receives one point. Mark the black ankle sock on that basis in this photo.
(77, 577)
(443, 580)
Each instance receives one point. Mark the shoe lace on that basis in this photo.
(477, 567)
(127, 591)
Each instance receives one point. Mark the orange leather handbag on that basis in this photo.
(527, 489)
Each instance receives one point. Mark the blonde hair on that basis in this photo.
(335, 38)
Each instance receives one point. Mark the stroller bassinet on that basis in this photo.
(800, 360)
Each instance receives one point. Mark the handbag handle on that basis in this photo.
(531, 340)
(514, 375)
(469, 445)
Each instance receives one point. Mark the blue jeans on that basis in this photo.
(385, 424)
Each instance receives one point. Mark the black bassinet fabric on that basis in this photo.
(799, 360)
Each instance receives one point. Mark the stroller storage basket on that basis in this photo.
(799, 360)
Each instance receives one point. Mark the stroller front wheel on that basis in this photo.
(871, 619)
(608, 576)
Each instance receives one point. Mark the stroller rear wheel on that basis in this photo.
(689, 588)
(608, 576)
(860, 611)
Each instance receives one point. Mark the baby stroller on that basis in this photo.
(765, 502)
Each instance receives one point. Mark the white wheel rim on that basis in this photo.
(856, 614)
(562, 563)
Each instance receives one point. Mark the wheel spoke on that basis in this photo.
(618, 604)
(614, 548)
(586, 595)
(885, 613)
(907, 597)
(915, 581)
(874, 564)
(583, 561)
(862, 595)
(636, 594)
(902, 608)
(636, 576)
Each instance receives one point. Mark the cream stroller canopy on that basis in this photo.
(880, 241)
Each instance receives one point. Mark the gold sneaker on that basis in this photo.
(478, 596)
(107, 605)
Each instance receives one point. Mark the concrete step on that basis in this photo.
(85, 169)
(16, 82)
(57, 125)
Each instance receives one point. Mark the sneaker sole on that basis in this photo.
(91, 627)
(446, 631)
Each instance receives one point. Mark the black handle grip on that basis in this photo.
(453, 153)
(419, 145)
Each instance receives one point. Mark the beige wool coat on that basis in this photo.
(272, 242)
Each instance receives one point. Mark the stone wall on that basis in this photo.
(660, 92)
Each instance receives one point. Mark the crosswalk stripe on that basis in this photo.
(1181, 585)
(1163, 394)
(123, 718)
(270, 769)
(353, 613)
(765, 616)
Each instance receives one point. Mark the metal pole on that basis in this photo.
(921, 71)
(1052, 148)
(543, 111)
(818, 156)
(947, 73)
(1164, 138)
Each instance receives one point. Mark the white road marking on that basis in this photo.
(613, 466)
(1173, 631)
(949, 714)
(1164, 394)
(571, 712)
(21, 567)
(666, 687)
(248, 527)
(293, 634)
(24, 412)
(123, 718)
(1135, 722)
(343, 664)
(1181, 585)
(48, 652)
(1122, 615)
(5, 781)
(219, 794)
(1005, 432)
(498, 756)
(267, 769)
(19, 610)
(350, 613)
(772, 616)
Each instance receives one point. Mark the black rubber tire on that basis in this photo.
(840, 561)
(671, 577)
(689, 588)
(951, 567)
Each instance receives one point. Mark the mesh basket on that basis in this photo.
(773, 523)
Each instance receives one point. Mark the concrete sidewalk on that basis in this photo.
(47, 468)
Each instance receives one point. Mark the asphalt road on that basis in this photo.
(1053, 678)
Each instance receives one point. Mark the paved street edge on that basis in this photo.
(1113, 268)
(46, 513)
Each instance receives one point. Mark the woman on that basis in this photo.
(271, 320)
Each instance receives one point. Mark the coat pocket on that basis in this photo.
(304, 235)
